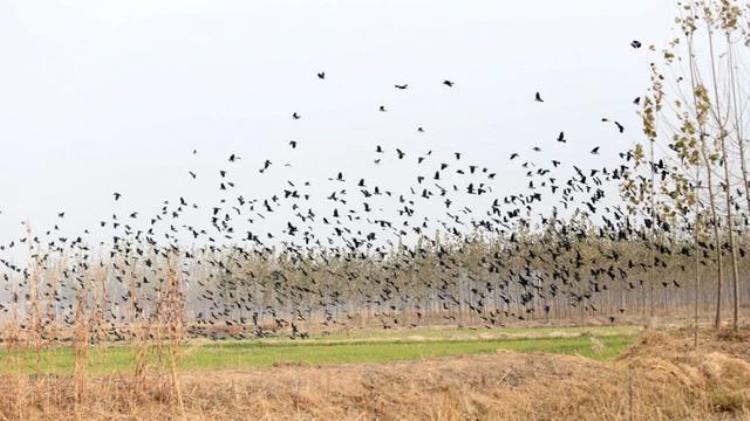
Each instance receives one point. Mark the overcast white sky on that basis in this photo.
(102, 96)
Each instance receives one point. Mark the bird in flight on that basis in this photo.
(620, 127)
(448, 83)
(402, 87)
(293, 144)
(382, 108)
(117, 196)
(321, 75)
(561, 137)
(635, 44)
(296, 116)
(595, 151)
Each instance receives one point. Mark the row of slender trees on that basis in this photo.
(693, 166)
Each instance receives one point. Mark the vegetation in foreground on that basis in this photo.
(660, 376)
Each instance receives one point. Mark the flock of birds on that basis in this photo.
(369, 250)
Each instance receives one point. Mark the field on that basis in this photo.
(600, 343)
(614, 372)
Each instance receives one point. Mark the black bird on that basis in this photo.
(448, 83)
(293, 144)
(117, 196)
(382, 108)
(322, 75)
(561, 138)
(595, 151)
(296, 116)
(635, 44)
(538, 97)
(402, 87)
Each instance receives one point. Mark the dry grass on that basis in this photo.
(660, 377)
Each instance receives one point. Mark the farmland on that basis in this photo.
(600, 343)
(542, 373)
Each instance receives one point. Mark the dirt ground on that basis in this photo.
(660, 377)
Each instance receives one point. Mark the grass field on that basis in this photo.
(519, 373)
(600, 343)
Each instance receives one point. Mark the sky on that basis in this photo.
(99, 96)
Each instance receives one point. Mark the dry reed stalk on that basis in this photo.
(139, 336)
(81, 343)
(174, 323)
